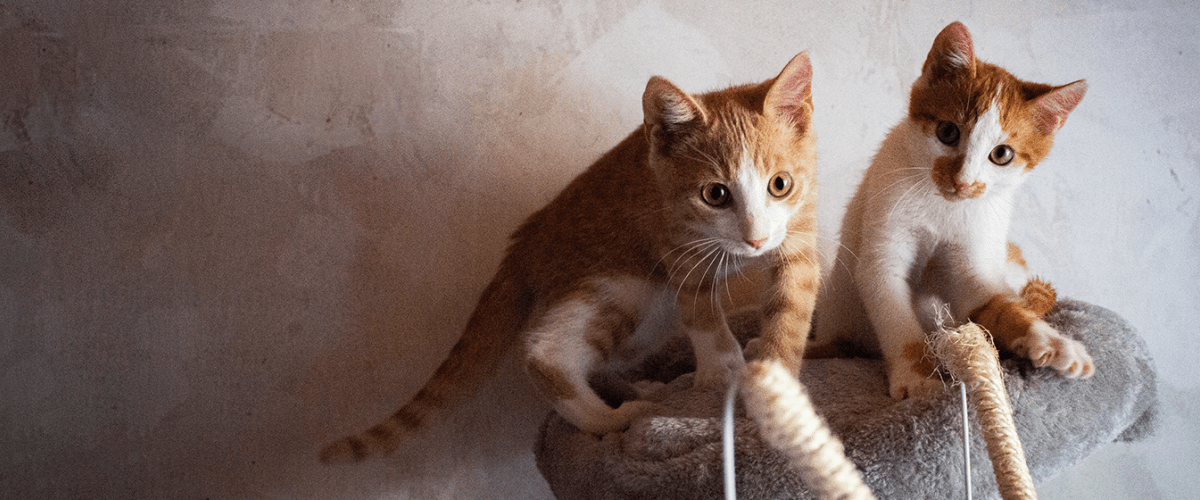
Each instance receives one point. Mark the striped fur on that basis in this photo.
(643, 244)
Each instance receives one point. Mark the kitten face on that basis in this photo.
(972, 151)
(733, 167)
(983, 128)
(746, 198)
(751, 217)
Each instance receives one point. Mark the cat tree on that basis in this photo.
(906, 449)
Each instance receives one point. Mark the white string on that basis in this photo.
(728, 442)
(966, 438)
(727, 439)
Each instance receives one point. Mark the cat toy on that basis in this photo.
(780, 406)
(969, 355)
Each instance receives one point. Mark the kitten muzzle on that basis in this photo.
(963, 191)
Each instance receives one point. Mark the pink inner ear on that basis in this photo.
(952, 50)
(1051, 110)
(790, 96)
(666, 105)
(959, 49)
(676, 109)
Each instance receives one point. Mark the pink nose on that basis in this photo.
(965, 186)
(757, 244)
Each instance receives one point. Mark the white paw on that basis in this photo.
(1045, 346)
(720, 372)
(645, 389)
(754, 349)
(903, 383)
(632, 410)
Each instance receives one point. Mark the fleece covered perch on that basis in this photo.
(907, 449)
(781, 408)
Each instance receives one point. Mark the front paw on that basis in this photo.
(630, 411)
(1045, 346)
(905, 383)
(719, 373)
(647, 389)
(754, 349)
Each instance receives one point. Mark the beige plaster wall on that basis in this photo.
(230, 230)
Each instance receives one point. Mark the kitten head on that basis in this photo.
(982, 128)
(735, 165)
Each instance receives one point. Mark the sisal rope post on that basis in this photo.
(787, 421)
(971, 358)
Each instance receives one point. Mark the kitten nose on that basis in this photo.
(757, 244)
(972, 189)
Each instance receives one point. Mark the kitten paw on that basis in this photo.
(719, 373)
(904, 384)
(646, 389)
(754, 349)
(1045, 346)
(633, 410)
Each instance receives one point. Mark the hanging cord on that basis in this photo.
(786, 420)
(972, 359)
(727, 443)
(966, 426)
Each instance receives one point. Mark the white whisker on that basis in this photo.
(696, 246)
(904, 198)
(711, 259)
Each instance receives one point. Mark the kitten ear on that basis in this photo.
(951, 53)
(1050, 110)
(790, 96)
(668, 109)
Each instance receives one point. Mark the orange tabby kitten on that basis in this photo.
(643, 242)
(930, 219)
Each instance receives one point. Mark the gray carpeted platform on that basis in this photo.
(908, 449)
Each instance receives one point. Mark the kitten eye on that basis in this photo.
(780, 185)
(715, 194)
(947, 133)
(1002, 155)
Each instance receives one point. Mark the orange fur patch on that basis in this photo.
(1014, 254)
(919, 359)
(945, 173)
(1005, 319)
(550, 379)
(1038, 297)
(945, 168)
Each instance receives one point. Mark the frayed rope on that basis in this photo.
(786, 420)
(968, 353)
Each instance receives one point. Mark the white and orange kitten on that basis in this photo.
(641, 244)
(928, 225)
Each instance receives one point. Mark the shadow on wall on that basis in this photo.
(180, 316)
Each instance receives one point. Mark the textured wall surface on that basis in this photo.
(230, 231)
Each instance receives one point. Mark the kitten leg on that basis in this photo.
(887, 298)
(988, 298)
(840, 317)
(787, 309)
(719, 358)
(1019, 330)
(560, 354)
